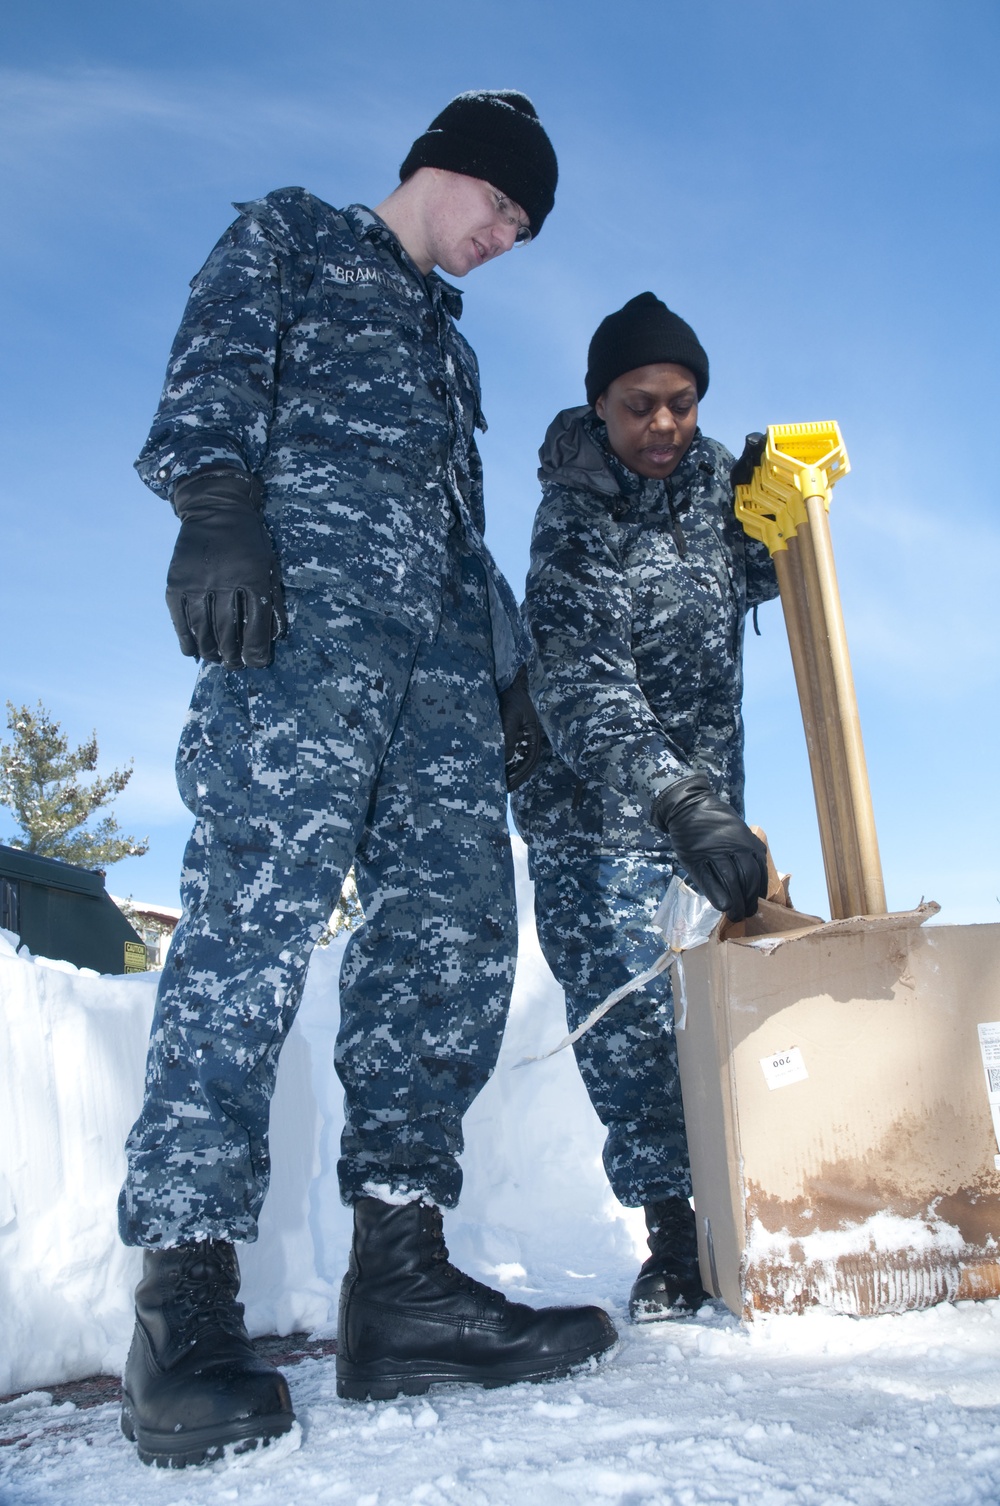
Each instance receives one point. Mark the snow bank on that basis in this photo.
(72, 1047)
(537, 1215)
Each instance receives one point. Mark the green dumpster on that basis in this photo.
(58, 910)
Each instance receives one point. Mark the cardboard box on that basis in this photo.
(841, 1087)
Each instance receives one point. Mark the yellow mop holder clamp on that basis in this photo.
(782, 486)
(797, 462)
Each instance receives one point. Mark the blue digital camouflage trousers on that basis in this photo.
(594, 917)
(362, 743)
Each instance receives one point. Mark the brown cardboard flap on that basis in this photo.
(778, 925)
(897, 919)
(777, 883)
(771, 919)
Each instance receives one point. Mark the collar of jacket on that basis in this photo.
(575, 452)
(367, 226)
(571, 454)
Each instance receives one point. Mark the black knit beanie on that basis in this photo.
(643, 333)
(494, 134)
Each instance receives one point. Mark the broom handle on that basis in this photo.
(847, 720)
(788, 567)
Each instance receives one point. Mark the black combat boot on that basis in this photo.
(668, 1284)
(193, 1382)
(408, 1318)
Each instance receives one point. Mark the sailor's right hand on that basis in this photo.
(224, 589)
(722, 856)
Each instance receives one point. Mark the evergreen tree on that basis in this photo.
(39, 783)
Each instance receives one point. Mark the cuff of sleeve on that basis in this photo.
(162, 471)
(646, 774)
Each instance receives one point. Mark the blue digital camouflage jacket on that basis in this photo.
(313, 353)
(636, 599)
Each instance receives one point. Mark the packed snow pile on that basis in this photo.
(536, 1206)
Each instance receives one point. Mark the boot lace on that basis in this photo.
(206, 1289)
(438, 1252)
(672, 1236)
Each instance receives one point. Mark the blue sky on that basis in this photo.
(813, 186)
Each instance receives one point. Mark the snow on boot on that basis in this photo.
(193, 1382)
(669, 1283)
(408, 1318)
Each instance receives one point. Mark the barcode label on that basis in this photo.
(989, 1045)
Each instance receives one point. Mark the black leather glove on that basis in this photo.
(224, 585)
(722, 856)
(741, 471)
(522, 731)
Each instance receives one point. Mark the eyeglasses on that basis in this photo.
(505, 209)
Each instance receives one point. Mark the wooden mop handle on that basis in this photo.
(782, 487)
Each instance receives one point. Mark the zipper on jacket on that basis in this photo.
(675, 527)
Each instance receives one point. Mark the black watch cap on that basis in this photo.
(493, 134)
(643, 333)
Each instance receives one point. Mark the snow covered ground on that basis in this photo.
(818, 1410)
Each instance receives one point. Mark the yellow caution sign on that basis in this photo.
(136, 960)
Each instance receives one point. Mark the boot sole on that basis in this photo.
(650, 1311)
(661, 1314)
(202, 1445)
(382, 1383)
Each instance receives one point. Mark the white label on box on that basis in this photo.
(989, 1045)
(783, 1067)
